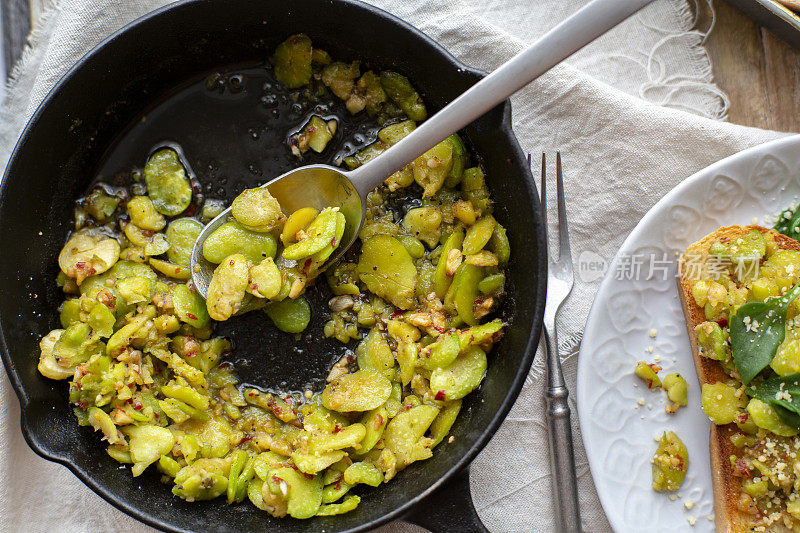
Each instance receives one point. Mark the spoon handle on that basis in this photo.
(583, 27)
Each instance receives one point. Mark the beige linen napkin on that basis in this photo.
(621, 154)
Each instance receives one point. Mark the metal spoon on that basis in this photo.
(321, 186)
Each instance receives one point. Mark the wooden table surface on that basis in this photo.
(759, 72)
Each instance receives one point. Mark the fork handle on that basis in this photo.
(562, 454)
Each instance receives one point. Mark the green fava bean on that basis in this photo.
(443, 352)
(393, 133)
(676, 388)
(669, 474)
(366, 473)
(350, 503)
(304, 496)
(459, 160)
(720, 403)
(444, 421)
(232, 237)
(144, 215)
(320, 234)
(189, 306)
(171, 270)
(711, 341)
(102, 320)
(415, 248)
(375, 421)
(181, 235)
(466, 291)
(499, 245)
(148, 443)
(257, 210)
(291, 316)
(167, 184)
(405, 430)
(765, 417)
(227, 288)
(432, 168)
(374, 352)
(400, 91)
(70, 312)
(492, 284)
(441, 281)
(265, 279)
(135, 289)
(313, 463)
(349, 437)
(425, 223)
(363, 390)
(205, 479)
(386, 268)
(461, 377)
(101, 205)
(478, 235)
(293, 61)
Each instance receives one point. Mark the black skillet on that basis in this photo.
(92, 124)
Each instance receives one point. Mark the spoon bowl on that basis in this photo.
(317, 186)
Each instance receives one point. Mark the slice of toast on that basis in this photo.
(728, 517)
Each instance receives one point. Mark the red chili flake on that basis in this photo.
(251, 394)
(276, 479)
(654, 367)
(440, 396)
(722, 321)
(192, 316)
(378, 422)
(741, 468)
(309, 476)
(743, 417)
(338, 485)
(337, 428)
(306, 265)
(80, 265)
(254, 286)
(191, 353)
(333, 242)
(148, 233)
(439, 329)
(396, 314)
(138, 406)
(407, 407)
(232, 262)
(189, 210)
(81, 404)
(129, 401)
(247, 437)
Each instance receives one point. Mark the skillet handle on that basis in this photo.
(449, 509)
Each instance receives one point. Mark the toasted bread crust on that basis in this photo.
(729, 518)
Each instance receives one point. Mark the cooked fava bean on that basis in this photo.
(670, 463)
(465, 291)
(181, 235)
(257, 210)
(492, 284)
(374, 353)
(316, 135)
(303, 495)
(349, 437)
(415, 248)
(676, 387)
(232, 238)
(443, 352)
(147, 444)
(48, 365)
(432, 168)
(101, 205)
(349, 503)
(265, 279)
(400, 91)
(293, 61)
(648, 373)
(461, 377)
(404, 435)
(144, 215)
(87, 254)
(363, 390)
(478, 235)
(473, 187)
(170, 270)
(291, 316)
(393, 133)
(366, 473)
(375, 422)
(167, 184)
(441, 279)
(205, 479)
(721, 403)
(319, 234)
(425, 223)
(227, 288)
(189, 306)
(444, 421)
(765, 417)
(387, 270)
(296, 222)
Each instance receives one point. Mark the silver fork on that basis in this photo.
(559, 428)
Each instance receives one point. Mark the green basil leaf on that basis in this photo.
(757, 329)
(783, 394)
(789, 223)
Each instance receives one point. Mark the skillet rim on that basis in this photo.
(531, 345)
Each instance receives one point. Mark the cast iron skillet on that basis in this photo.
(78, 132)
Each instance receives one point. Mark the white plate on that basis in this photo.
(618, 433)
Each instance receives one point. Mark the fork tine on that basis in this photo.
(563, 231)
(543, 191)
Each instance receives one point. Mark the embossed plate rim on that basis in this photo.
(650, 506)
